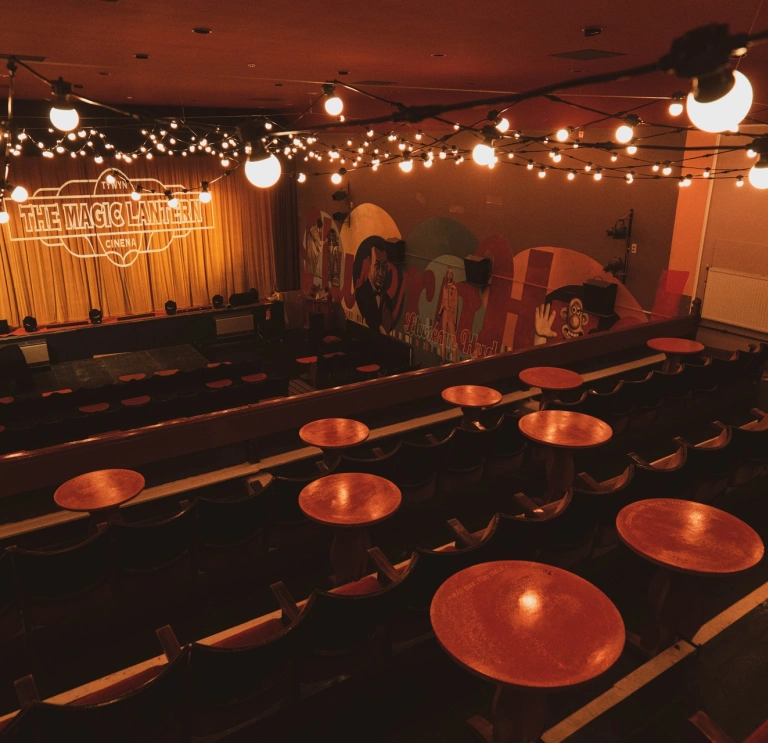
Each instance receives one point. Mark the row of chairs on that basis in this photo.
(136, 411)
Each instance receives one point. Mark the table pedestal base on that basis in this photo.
(560, 473)
(349, 554)
(470, 416)
(677, 601)
(672, 364)
(109, 515)
(518, 716)
(547, 396)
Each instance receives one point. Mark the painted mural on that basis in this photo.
(534, 296)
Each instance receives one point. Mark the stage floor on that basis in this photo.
(107, 369)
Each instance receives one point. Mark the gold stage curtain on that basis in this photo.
(252, 245)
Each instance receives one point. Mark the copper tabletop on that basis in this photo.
(333, 433)
(134, 402)
(525, 624)
(689, 537)
(551, 378)
(132, 377)
(350, 499)
(254, 378)
(166, 372)
(471, 396)
(675, 345)
(97, 407)
(565, 429)
(217, 384)
(95, 491)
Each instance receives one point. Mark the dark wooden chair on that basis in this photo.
(68, 587)
(466, 457)
(248, 674)
(382, 464)
(232, 532)
(705, 375)
(417, 466)
(608, 406)
(506, 450)
(603, 500)
(715, 734)
(156, 560)
(144, 708)
(10, 613)
(711, 462)
(666, 477)
(750, 447)
(645, 397)
(756, 359)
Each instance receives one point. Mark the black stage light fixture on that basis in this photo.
(30, 324)
(340, 217)
(4, 328)
(218, 301)
(170, 307)
(95, 316)
(339, 195)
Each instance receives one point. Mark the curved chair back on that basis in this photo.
(418, 464)
(225, 523)
(383, 466)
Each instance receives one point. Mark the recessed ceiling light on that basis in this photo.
(438, 55)
(141, 56)
(104, 74)
(278, 85)
(251, 64)
(201, 30)
(129, 97)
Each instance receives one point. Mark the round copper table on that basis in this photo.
(349, 502)
(563, 432)
(471, 398)
(528, 628)
(101, 492)
(690, 542)
(333, 434)
(674, 349)
(551, 380)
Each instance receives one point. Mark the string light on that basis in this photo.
(598, 174)
(571, 175)
(626, 131)
(758, 173)
(631, 150)
(740, 180)
(406, 164)
(333, 104)
(667, 169)
(562, 134)
(630, 177)
(676, 107)
(301, 177)
(4, 216)
(656, 167)
(542, 172)
(63, 114)
(483, 153)
(205, 195)
(136, 193)
(720, 101)
(530, 165)
(588, 167)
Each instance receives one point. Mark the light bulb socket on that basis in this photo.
(631, 120)
(713, 87)
(328, 88)
(61, 90)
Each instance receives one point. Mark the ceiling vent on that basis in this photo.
(586, 55)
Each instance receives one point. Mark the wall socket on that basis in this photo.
(634, 247)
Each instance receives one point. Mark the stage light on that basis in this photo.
(406, 164)
(205, 195)
(719, 102)
(63, 114)
(262, 169)
(170, 307)
(95, 316)
(19, 194)
(483, 152)
(29, 323)
(218, 301)
(676, 107)
(758, 173)
(333, 104)
(301, 177)
(562, 134)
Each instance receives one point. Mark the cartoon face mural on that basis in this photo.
(426, 301)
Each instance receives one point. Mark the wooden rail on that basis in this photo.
(30, 470)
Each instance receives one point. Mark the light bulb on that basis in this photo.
(557, 157)
(588, 167)
(571, 175)
(4, 217)
(614, 157)
(336, 179)
(205, 196)
(707, 172)
(598, 174)
(63, 116)
(542, 172)
(264, 172)
(630, 177)
(740, 180)
(135, 195)
(667, 170)
(19, 194)
(631, 150)
(724, 113)
(751, 153)
(334, 105)
(502, 124)
(656, 167)
(110, 178)
(562, 135)
(758, 174)
(624, 134)
(483, 153)
(443, 154)
(406, 165)
(173, 202)
(427, 163)
(530, 165)
(675, 108)
(301, 177)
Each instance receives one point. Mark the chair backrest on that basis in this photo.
(668, 384)
(64, 573)
(419, 463)
(751, 440)
(230, 522)
(345, 623)
(576, 406)
(608, 498)
(470, 445)
(508, 438)
(222, 676)
(433, 567)
(140, 715)
(151, 546)
(711, 455)
(286, 499)
(665, 478)
(726, 371)
(382, 466)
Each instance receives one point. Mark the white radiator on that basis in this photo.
(35, 353)
(736, 298)
(231, 324)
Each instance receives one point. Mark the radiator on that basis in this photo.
(35, 353)
(736, 298)
(230, 324)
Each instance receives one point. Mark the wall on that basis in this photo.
(526, 210)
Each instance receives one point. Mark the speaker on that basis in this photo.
(30, 324)
(243, 298)
(218, 301)
(599, 296)
(170, 307)
(395, 250)
(478, 270)
(4, 329)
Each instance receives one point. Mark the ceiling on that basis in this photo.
(274, 57)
